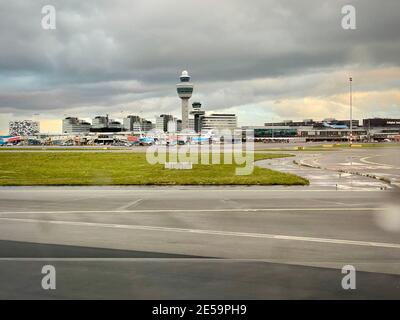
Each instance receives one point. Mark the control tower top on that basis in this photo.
(185, 76)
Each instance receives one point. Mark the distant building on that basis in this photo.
(147, 125)
(382, 128)
(159, 123)
(105, 124)
(179, 124)
(130, 121)
(137, 124)
(115, 125)
(172, 126)
(73, 125)
(273, 131)
(219, 121)
(137, 127)
(291, 123)
(23, 128)
(328, 129)
(311, 122)
(100, 122)
(331, 133)
(191, 124)
(162, 122)
(381, 123)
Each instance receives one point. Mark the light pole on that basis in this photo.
(351, 110)
(272, 130)
(351, 127)
(369, 130)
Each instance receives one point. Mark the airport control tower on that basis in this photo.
(185, 90)
(198, 114)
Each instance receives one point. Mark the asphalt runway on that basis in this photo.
(199, 242)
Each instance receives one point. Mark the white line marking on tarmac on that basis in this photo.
(206, 189)
(180, 259)
(388, 166)
(351, 164)
(211, 232)
(199, 210)
(334, 265)
(130, 204)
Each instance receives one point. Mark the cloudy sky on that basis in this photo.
(262, 59)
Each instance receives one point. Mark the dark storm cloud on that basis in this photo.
(116, 52)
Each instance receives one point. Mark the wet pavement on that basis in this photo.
(321, 172)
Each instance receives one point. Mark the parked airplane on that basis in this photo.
(4, 140)
(146, 141)
(200, 139)
(334, 126)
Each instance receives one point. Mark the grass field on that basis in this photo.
(49, 148)
(96, 168)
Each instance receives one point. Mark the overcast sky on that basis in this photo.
(262, 59)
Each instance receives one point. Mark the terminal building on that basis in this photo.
(311, 122)
(332, 134)
(382, 128)
(375, 129)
